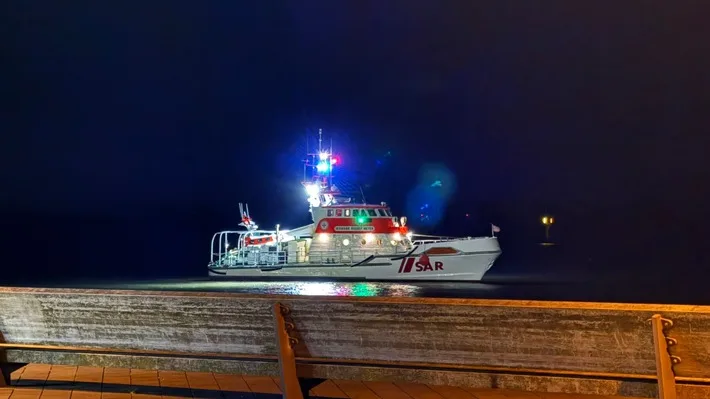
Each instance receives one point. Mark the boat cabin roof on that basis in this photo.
(355, 206)
(357, 210)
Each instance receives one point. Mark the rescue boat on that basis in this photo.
(346, 241)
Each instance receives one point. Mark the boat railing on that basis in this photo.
(224, 243)
(223, 256)
(349, 256)
(245, 257)
(437, 239)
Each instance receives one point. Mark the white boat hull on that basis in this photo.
(469, 265)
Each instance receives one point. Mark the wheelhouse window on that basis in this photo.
(356, 212)
(339, 212)
(330, 212)
(371, 212)
(347, 212)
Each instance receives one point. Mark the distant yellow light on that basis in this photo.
(544, 220)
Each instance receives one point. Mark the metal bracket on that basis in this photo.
(293, 386)
(664, 360)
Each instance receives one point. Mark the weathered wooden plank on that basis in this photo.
(555, 336)
(492, 336)
(190, 324)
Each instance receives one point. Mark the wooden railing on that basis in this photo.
(585, 348)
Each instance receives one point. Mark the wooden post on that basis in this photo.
(5, 371)
(287, 359)
(5, 378)
(664, 360)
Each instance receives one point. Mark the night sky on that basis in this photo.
(141, 125)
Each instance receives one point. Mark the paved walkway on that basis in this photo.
(41, 381)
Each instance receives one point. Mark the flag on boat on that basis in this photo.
(495, 229)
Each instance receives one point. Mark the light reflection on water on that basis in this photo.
(310, 288)
(512, 288)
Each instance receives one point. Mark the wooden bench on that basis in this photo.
(583, 348)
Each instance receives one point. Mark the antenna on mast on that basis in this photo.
(320, 139)
(305, 163)
(330, 165)
(363, 195)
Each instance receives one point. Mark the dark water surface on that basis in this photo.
(157, 255)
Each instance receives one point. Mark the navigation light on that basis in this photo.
(312, 190)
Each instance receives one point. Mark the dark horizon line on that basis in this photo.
(515, 206)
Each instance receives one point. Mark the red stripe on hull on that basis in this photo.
(408, 266)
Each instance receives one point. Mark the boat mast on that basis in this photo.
(305, 163)
(330, 165)
(320, 140)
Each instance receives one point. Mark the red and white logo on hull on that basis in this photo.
(423, 265)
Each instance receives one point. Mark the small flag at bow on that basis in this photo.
(494, 229)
